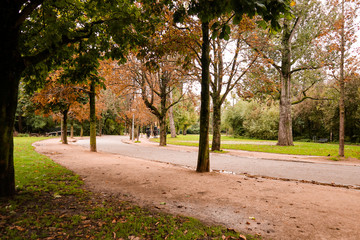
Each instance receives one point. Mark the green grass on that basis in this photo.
(299, 148)
(51, 203)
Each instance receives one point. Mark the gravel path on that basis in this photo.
(289, 167)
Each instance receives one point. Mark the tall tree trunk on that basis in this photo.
(171, 118)
(138, 133)
(162, 121)
(64, 126)
(285, 137)
(11, 68)
(72, 129)
(203, 163)
(342, 87)
(20, 125)
(92, 117)
(100, 127)
(81, 130)
(8, 103)
(216, 141)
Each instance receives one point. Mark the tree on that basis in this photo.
(228, 74)
(57, 97)
(207, 11)
(296, 45)
(155, 87)
(343, 38)
(185, 113)
(38, 34)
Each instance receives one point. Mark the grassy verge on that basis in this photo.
(299, 148)
(52, 204)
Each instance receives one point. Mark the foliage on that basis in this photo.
(253, 119)
(53, 204)
(185, 114)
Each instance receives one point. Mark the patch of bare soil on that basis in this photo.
(272, 208)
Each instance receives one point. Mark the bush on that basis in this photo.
(22, 135)
(253, 119)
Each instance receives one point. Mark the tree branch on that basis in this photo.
(305, 68)
(312, 98)
(263, 55)
(27, 10)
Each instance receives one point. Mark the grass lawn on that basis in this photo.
(52, 204)
(299, 148)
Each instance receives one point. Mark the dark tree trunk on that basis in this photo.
(8, 102)
(285, 137)
(11, 68)
(64, 126)
(20, 125)
(92, 117)
(203, 163)
(216, 125)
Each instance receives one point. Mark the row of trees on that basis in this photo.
(261, 46)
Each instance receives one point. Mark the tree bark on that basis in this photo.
(216, 141)
(285, 137)
(171, 119)
(92, 117)
(185, 129)
(11, 68)
(8, 104)
(162, 121)
(203, 163)
(64, 126)
(342, 87)
(72, 129)
(81, 130)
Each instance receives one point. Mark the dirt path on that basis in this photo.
(274, 209)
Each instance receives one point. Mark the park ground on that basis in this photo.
(273, 209)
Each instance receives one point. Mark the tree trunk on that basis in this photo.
(203, 163)
(72, 129)
(20, 125)
(8, 103)
(138, 133)
(285, 137)
(216, 141)
(11, 68)
(342, 88)
(171, 119)
(64, 126)
(185, 129)
(92, 117)
(162, 121)
(81, 130)
(100, 127)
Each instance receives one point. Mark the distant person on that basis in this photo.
(155, 132)
(148, 132)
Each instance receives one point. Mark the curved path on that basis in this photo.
(328, 173)
(271, 208)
